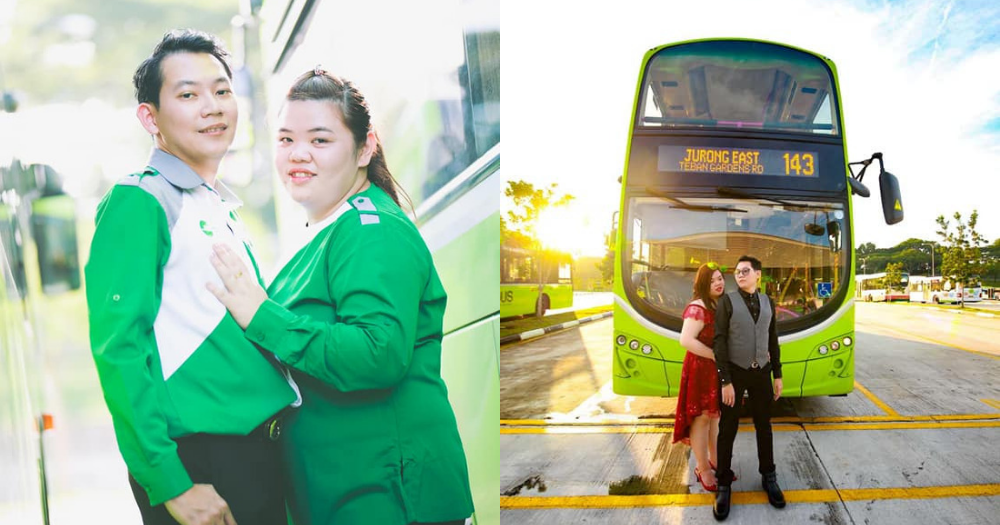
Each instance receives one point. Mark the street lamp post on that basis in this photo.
(932, 257)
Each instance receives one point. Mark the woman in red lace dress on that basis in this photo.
(697, 415)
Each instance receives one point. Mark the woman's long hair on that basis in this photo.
(703, 285)
(319, 85)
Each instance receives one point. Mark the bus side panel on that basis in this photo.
(561, 296)
(519, 299)
(469, 266)
(469, 364)
(636, 373)
(20, 484)
(807, 372)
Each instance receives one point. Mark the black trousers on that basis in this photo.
(757, 383)
(246, 471)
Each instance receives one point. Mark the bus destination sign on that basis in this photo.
(738, 161)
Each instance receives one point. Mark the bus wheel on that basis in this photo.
(545, 303)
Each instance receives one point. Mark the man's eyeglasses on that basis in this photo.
(744, 271)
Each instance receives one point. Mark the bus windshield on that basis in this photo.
(738, 84)
(800, 244)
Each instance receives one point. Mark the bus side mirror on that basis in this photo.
(53, 223)
(892, 204)
(814, 229)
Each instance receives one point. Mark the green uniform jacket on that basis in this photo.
(171, 360)
(357, 313)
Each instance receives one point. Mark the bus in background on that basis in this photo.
(431, 73)
(39, 260)
(519, 280)
(937, 290)
(972, 290)
(737, 147)
(872, 288)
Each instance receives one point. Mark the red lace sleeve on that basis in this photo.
(695, 312)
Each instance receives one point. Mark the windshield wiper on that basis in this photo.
(681, 205)
(733, 192)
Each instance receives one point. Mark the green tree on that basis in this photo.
(528, 203)
(74, 50)
(867, 248)
(962, 254)
(893, 276)
(520, 225)
(607, 264)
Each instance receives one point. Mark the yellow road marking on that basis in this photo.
(586, 430)
(910, 337)
(991, 402)
(952, 345)
(902, 425)
(780, 427)
(791, 419)
(745, 498)
(860, 419)
(878, 402)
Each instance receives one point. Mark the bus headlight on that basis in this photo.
(633, 344)
(647, 349)
(621, 340)
(835, 345)
(848, 341)
(822, 350)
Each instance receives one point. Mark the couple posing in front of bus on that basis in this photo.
(194, 354)
(732, 348)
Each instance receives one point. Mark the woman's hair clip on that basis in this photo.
(318, 71)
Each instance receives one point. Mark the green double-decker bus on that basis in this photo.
(738, 147)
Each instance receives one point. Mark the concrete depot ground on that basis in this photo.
(914, 443)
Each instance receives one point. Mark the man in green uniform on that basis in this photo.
(194, 404)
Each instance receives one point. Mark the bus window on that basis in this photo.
(54, 226)
(802, 271)
(740, 85)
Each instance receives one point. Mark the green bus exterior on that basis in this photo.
(39, 278)
(701, 187)
(519, 281)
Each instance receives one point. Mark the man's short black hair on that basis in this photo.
(148, 78)
(754, 262)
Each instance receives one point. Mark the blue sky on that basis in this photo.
(920, 82)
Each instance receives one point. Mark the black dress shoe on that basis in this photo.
(774, 494)
(722, 500)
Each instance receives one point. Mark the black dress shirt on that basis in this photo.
(720, 344)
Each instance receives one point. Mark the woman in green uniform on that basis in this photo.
(357, 316)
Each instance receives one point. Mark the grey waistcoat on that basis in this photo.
(748, 341)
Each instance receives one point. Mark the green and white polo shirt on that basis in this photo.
(171, 359)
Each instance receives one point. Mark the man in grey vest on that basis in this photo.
(746, 354)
